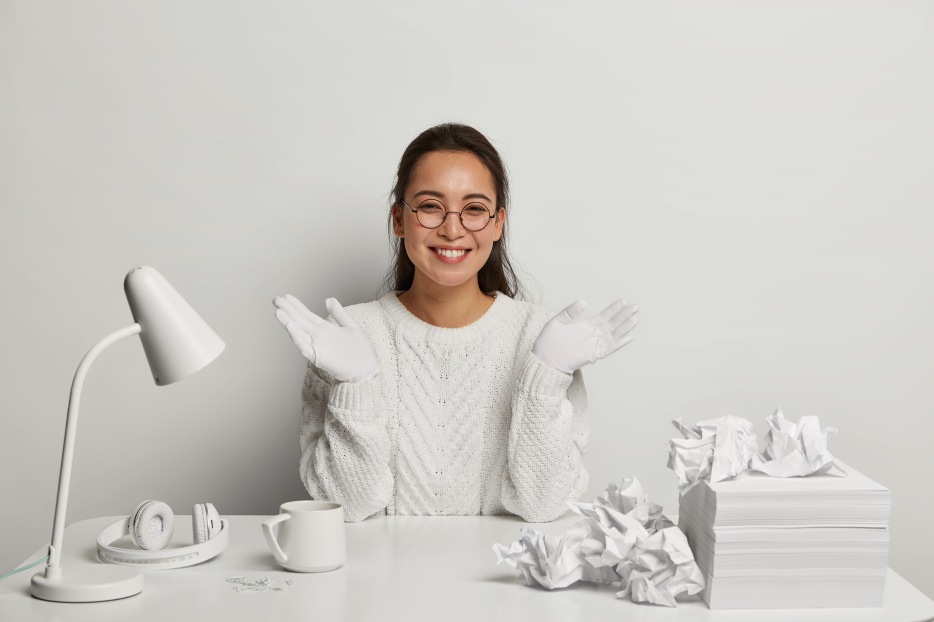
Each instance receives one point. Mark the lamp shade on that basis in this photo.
(176, 340)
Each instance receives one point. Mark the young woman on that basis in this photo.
(447, 395)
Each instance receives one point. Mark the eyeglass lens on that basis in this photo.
(474, 217)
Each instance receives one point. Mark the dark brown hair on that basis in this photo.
(497, 274)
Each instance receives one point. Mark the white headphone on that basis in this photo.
(151, 527)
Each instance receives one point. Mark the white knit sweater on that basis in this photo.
(458, 420)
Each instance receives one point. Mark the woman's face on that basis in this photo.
(450, 255)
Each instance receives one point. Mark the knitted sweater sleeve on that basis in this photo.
(345, 444)
(547, 438)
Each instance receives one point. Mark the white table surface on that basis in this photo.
(399, 568)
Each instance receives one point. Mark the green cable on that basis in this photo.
(13, 572)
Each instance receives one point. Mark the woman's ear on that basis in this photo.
(397, 229)
(499, 223)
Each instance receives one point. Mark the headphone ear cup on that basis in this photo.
(205, 522)
(152, 525)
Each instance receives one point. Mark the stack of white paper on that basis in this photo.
(768, 542)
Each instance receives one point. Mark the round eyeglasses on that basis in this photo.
(431, 214)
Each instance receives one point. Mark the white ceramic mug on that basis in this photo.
(307, 536)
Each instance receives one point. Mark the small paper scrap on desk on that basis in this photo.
(261, 584)
(622, 540)
(722, 448)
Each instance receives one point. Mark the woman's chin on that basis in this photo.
(453, 283)
(451, 279)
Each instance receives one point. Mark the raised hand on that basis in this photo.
(342, 350)
(568, 341)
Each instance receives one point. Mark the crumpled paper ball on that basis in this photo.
(549, 561)
(659, 568)
(795, 449)
(714, 450)
(622, 540)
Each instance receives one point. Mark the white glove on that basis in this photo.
(567, 343)
(341, 350)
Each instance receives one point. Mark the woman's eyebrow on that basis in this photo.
(431, 193)
(440, 195)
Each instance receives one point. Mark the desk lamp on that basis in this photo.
(177, 343)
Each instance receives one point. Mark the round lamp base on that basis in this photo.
(90, 584)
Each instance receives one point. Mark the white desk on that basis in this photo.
(398, 568)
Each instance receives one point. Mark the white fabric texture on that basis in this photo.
(459, 421)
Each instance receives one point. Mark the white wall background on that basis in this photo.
(756, 175)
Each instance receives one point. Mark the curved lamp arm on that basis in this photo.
(53, 570)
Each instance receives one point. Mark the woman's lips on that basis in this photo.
(450, 255)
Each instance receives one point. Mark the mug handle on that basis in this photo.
(268, 524)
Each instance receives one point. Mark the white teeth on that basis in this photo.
(450, 253)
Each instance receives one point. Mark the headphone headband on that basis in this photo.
(161, 559)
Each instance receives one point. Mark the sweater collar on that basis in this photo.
(410, 324)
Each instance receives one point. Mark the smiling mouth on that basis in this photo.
(450, 253)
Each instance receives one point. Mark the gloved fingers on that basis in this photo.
(290, 324)
(622, 316)
(628, 309)
(615, 345)
(571, 312)
(337, 311)
(607, 314)
(283, 318)
(298, 312)
(299, 337)
(620, 330)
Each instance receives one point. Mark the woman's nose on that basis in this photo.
(452, 227)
